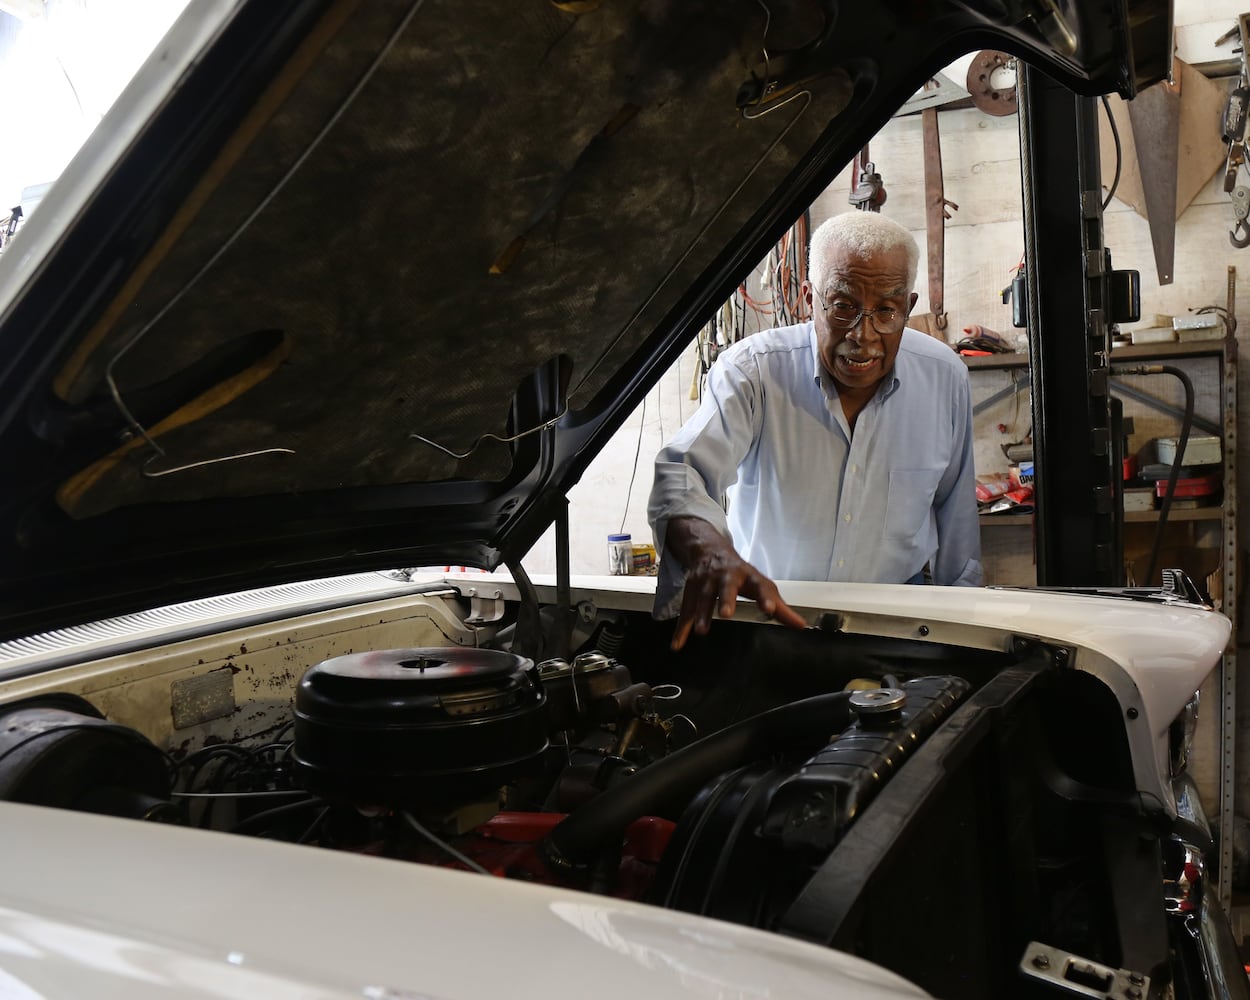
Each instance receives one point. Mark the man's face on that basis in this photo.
(859, 357)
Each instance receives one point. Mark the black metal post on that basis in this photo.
(1066, 263)
(564, 589)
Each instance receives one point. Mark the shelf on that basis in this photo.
(996, 361)
(1187, 514)
(1005, 520)
(1130, 517)
(1154, 352)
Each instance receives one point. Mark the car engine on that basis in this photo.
(567, 772)
(760, 779)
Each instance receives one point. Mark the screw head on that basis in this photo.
(1041, 962)
(923, 630)
(1132, 713)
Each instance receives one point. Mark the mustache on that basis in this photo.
(847, 352)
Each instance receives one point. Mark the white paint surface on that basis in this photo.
(186, 913)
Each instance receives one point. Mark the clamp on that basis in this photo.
(869, 192)
(1240, 234)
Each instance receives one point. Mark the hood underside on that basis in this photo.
(374, 280)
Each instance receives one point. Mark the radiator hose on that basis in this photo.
(668, 784)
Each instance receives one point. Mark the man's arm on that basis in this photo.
(698, 560)
(958, 561)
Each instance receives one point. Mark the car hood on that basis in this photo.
(336, 925)
(340, 285)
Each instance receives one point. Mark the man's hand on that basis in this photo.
(715, 576)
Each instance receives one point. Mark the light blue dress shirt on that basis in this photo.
(809, 501)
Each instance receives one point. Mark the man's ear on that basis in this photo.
(911, 302)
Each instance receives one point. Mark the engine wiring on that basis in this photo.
(441, 844)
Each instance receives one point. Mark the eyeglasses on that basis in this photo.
(843, 314)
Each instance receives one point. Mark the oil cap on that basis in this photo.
(879, 707)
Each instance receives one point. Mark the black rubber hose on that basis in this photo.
(1187, 423)
(668, 784)
(1119, 152)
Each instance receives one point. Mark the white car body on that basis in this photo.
(108, 907)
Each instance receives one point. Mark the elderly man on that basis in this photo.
(844, 446)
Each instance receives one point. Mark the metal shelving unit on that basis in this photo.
(1224, 354)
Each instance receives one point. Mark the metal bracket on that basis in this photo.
(484, 607)
(1080, 977)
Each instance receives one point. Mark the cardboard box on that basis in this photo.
(1153, 335)
(1207, 326)
(1021, 474)
(1139, 498)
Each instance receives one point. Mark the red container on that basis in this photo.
(1199, 486)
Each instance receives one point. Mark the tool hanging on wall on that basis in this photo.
(1136, 153)
(1156, 117)
(867, 187)
(1233, 132)
(9, 224)
(992, 83)
(936, 204)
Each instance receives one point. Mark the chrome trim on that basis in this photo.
(1188, 803)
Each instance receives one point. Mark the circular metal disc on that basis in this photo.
(878, 701)
(985, 85)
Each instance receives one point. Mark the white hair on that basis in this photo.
(863, 234)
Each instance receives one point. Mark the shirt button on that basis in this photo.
(854, 468)
(841, 562)
(846, 518)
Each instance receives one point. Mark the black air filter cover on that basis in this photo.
(403, 727)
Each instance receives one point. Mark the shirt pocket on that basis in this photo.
(909, 500)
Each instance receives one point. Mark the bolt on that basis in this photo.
(1133, 993)
(924, 630)
(1041, 962)
(1132, 713)
(1137, 979)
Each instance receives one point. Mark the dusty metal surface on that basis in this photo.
(936, 214)
(175, 692)
(196, 700)
(1156, 118)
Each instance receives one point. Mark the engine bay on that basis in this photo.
(842, 788)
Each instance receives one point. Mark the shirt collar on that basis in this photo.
(827, 385)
